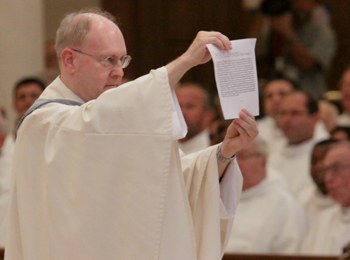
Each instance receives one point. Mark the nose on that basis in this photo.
(117, 72)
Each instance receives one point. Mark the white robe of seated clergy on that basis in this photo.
(271, 134)
(329, 232)
(314, 202)
(104, 181)
(293, 163)
(269, 220)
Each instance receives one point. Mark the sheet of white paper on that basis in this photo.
(236, 77)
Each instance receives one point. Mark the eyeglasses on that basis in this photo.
(109, 62)
(337, 168)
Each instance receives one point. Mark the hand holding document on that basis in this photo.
(236, 77)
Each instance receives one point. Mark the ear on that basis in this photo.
(68, 60)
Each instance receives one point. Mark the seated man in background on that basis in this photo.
(298, 117)
(330, 230)
(25, 91)
(196, 106)
(269, 220)
(273, 93)
(316, 198)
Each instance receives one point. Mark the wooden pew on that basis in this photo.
(275, 257)
(252, 257)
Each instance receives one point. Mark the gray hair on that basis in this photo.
(75, 26)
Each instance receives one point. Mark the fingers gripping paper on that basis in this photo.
(236, 77)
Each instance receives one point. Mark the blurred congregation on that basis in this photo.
(296, 174)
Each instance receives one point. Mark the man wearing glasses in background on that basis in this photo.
(99, 174)
(330, 231)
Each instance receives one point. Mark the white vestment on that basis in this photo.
(314, 202)
(329, 232)
(6, 160)
(271, 134)
(196, 143)
(269, 220)
(103, 181)
(274, 137)
(293, 162)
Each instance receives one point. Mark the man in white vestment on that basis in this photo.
(273, 93)
(268, 220)
(297, 118)
(316, 198)
(195, 103)
(25, 91)
(330, 231)
(99, 173)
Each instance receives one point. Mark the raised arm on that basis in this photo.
(239, 133)
(242, 130)
(196, 54)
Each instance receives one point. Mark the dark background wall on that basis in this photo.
(157, 31)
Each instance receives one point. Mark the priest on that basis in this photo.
(98, 174)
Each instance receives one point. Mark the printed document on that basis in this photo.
(236, 77)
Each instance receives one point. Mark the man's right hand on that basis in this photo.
(196, 54)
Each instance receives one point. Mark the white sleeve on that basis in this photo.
(230, 190)
(179, 124)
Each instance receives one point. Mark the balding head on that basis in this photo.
(75, 26)
(92, 53)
